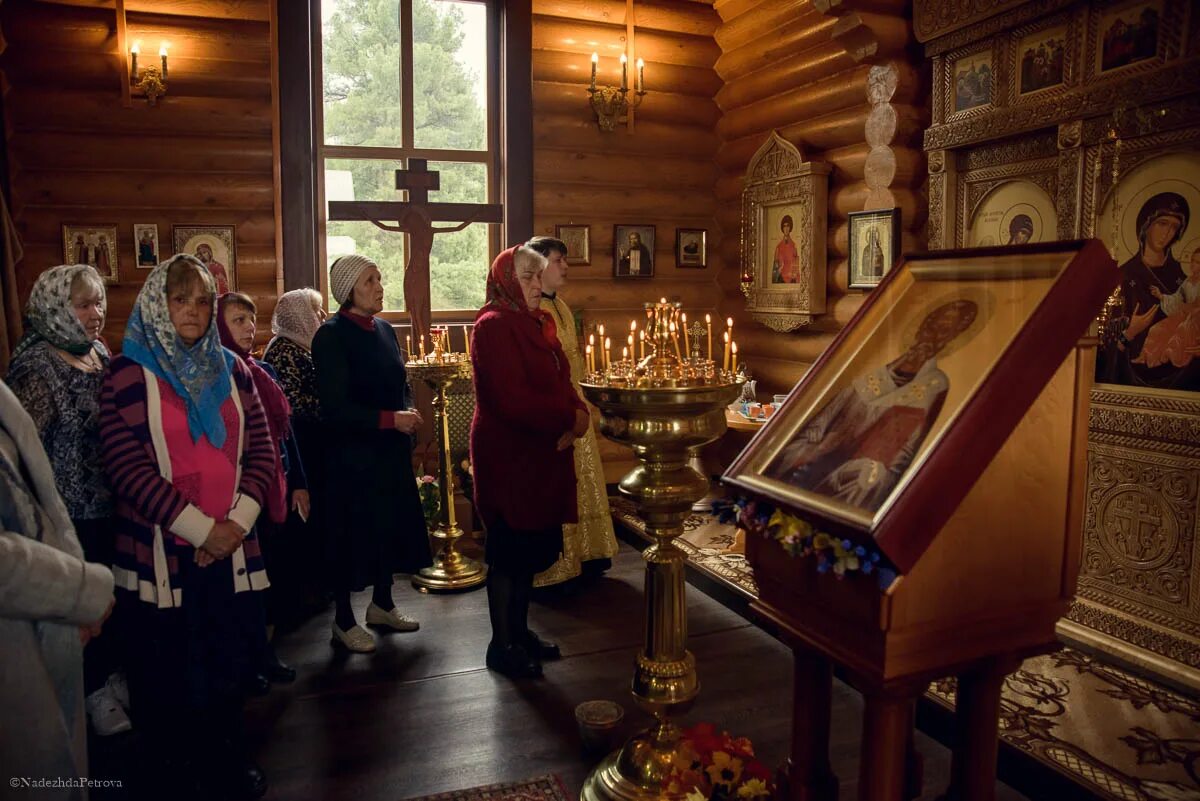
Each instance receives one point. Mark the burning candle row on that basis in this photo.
(440, 349)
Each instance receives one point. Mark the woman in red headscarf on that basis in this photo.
(527, 415)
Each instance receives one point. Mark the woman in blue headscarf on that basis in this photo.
(190, 457)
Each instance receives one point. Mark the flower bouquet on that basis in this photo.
(431, 499)
(712, 766)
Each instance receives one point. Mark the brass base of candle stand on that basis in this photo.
(451, 571)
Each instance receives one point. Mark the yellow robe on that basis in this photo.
(592, 537)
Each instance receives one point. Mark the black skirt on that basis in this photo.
(521, 551)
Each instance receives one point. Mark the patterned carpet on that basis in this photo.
(1112, 733)
(541, 788)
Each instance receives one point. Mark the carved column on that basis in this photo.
(942, 187)
(1070, 178)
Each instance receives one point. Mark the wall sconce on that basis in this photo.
(151, 81)
(610, 103)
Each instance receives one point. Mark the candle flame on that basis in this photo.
(162, 49)
(137, 47)
(624, 58)
(595, 57)
(641, 63)
(729, 322)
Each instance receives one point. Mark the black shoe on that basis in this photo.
(277, 672)
(258, 685)
(512, 661)
(541, 650)
(596, 567)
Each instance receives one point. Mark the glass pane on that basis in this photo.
(450, 71)
(361, 60)
(460, 182)
(458, 268)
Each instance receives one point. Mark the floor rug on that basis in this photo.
(540, 788)
(1112, 733)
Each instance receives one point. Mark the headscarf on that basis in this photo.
(275, 404)
(1164, 204)
(201, 374)
(50, 315)
(295, 318)
(504, 294)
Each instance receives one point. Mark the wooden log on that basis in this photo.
(634, 201)
(44, 224)
(553, 165)
(794, 71)
(73, 70)
(153, 190)
(675, 16)
(61, 150)
(618, 300)
(825, 132)
(554, 33)
(797, 35)
(563, 67)
(652, 138)
(763, 18)
(869, 37)
(42, 26)
(846, 90)
(732, 9)
(86, 112)
(661, 107)
(255, 10)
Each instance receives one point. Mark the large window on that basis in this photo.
(408, 79)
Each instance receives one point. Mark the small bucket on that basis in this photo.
(598, 723)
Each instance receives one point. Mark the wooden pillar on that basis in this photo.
(297, 154)
(517, 123)
(1070, 179)
(976, 731)
(887, 732)
(809, 775)
(942, 191)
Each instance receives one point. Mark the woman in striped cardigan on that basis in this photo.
(189, 456)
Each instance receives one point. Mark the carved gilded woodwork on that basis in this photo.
(780, 186)
(1139, 587)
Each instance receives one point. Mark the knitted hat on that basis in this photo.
(344, 273)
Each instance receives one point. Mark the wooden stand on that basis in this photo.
(984, 596)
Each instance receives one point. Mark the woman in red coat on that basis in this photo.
(527, 415)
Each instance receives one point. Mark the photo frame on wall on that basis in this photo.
(691, 247)
(633, 251)
(215, 246)
(145, 246)
(874, 245)
(578, 239)
(92, 244)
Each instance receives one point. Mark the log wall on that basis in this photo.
(204, 155)
(660, 172)
(844, 82)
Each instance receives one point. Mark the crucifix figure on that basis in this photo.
(416, 217)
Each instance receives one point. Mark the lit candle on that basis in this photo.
(467, 340)
(422, 343)
(162, 51)
(734, 347)
(624, 72)
(642, 344)
(595, 61)
(725, 363)
(686, 350)
(408, 347)
(708, 322)
(588, 359)
(601, 332)
(624, 354)
(133, 52)
(629, 341)
(729, 326)
(641, 79)
(607, 353)
(675, 341)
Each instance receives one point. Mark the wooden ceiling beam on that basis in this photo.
(255, 10)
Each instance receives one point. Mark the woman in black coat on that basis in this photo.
(376, 525)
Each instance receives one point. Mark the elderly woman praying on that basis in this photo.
(190, 457)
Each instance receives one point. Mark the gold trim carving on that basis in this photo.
(978, 183)
(1097, 100)
(1182, 650)
(955, 22)
(1041, 145)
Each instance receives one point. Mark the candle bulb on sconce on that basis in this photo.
(162, 52)
(641, 77)
(150, 81)
(595, 61)
(133, 65)
(612, 104)
(624, 72)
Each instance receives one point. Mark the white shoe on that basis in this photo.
(357, 640)
(106, 714)
(393, 619)
(119, 689)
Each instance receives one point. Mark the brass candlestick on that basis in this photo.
(451, 571)
(662, 408)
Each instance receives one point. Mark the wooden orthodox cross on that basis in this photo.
(416, 217)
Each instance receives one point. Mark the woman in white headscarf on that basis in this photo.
(56, 372)
(298, 315)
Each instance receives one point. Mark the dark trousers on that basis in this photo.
(514, 557)
(101, 657)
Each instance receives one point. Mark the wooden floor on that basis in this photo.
(423, 715)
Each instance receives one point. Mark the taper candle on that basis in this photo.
(607, 353)
(733, 346)
(686, 348)
(467, 340)
(162, 52)
(725, 362)
(708, 322)
(675, 341)
(641, 78)
(641, 344)
(422, 344)
(408, 347)
(729, 327)
(587, 358)
(624, 71)
(624, 354)
(595, 60)
(133, 67)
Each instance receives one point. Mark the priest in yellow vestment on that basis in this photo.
(592, 538)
